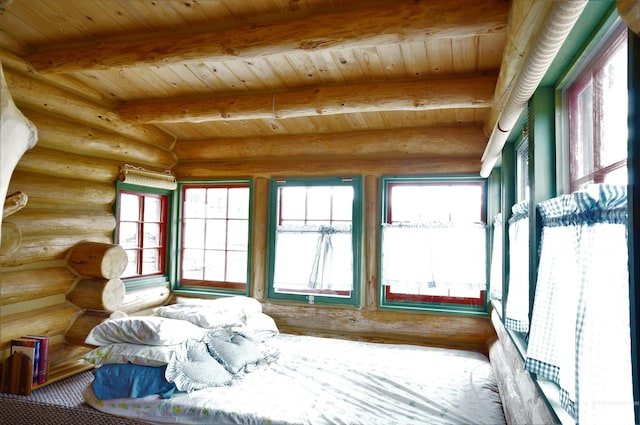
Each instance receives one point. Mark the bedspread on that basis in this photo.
(331, 381)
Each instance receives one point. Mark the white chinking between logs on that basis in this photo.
(17, 135)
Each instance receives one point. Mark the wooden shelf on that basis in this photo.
(65, 370)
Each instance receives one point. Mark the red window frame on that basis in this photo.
(588, 151)
(141, 247)
(212, 284)
(433, 299)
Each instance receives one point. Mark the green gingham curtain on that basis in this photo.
(580, 334)
(517, 309)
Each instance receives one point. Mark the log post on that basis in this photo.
(98, 294)
(95, 259)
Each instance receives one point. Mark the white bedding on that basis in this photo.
(331, 381)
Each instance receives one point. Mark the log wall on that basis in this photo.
(69, 181)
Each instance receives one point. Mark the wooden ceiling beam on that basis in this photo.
(371, 26)
(468, 92)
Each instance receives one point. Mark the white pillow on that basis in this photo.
(212, 313)
(144, 355)
(145, 330)
(247, 305)
(202, 315)
(258, 327)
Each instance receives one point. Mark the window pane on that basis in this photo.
(215, 266)
(236, 267)
(216, 234)
(613, 109)
(129, 207)
(239, 202)
(238, 235)
(194, 203)
(293, 203)
(132, 263)
(150, 261)
(192, 263)
(217, 202)
(128, 236)
(151, 235)
(152, 208)
(194, 233)
(319, 204)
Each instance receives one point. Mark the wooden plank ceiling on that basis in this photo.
(294, 70)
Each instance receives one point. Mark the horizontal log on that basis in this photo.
(38, 248)
(371, 26)
(142, 299)
(74, 137)
(427, 142)
(328, 167)
(67, 165)
(24, 285)
(46, 321)
(418, 328)
(105, 261)
(34, 94)
(47, 191)
(66, 222)
(419, 95)
(98, 294)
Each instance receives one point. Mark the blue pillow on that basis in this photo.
(130, 380)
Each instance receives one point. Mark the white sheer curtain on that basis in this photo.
(419, 257)
(313, 257)
(517, 309)
(580, 334)
(495, 276)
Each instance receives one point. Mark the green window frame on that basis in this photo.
(148, 233)
(310, 222)
(214, 237)
(426, 298)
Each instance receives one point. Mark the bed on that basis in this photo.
(296, 379)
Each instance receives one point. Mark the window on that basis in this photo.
(142, 231)
(597, 103)
(214, 249)
(315, 239)
(433, 249)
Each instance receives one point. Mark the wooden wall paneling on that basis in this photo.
(411, 327)
(24, 285)
(61, 223)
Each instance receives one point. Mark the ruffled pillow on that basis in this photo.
(194, 369)
(145, 330)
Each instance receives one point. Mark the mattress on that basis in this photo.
(332, 381)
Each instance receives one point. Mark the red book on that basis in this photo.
(43, 363)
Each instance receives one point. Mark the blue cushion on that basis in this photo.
(130, 380)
